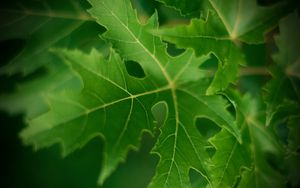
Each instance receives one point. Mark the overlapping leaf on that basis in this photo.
(253, 162)
(222, 32)
(292, 157)
(53, 75)
(206, 37)
(282, 96)
(285, 83)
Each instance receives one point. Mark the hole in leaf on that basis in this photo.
(197, 180)
(173, 50)
(9, 49)
(282, 132)
(273, 160)
(211, 151)
(237, 182)
(134, 69)
(230, 108)
(206, 127)
(211, 63)
(146, 7)
(160, 113)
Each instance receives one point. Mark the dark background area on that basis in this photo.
(21, 167)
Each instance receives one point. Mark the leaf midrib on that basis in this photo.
(171, 84)
(231, 154)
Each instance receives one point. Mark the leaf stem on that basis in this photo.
(253, 71)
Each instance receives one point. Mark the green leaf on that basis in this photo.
(266, 153)
(42, 24)
(229, 160)
(116, 94)
(58, 77)
(253, 162)
(93, 111)
(117, 106)
(285, 82)
(205, 37)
